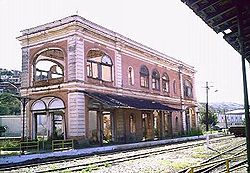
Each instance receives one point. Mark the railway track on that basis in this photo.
(231, 152)
(111, 158)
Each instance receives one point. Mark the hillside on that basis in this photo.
(224, 106)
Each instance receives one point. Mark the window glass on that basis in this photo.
(144, 76)
(130, 76)
(106, 73)
(188, 89)
(106, 60)
(155, 80)
(165, 82)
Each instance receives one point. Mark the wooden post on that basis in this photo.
(227, 166)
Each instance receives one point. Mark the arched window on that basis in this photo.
(165, 82)
(38, 105)
(99, 65)
(56, 103)
(48, 65)
(132, 123)
(130, 76)
(188, 89)
(144, 76)
(155, 80)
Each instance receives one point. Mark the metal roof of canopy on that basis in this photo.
(119, 101)
(222, 16)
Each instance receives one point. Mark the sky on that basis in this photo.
(167, 26)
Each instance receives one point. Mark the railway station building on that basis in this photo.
(89, 83)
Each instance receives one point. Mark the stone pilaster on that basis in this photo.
(75, 59)
(118, 69)
(25, 68)
(76, 115)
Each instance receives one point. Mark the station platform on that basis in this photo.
(14, 160)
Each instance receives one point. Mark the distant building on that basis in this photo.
(10, 81)
(231, 118)
(9, 87)
(16, 79)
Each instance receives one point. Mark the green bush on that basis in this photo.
(194, 132)
(9, 145)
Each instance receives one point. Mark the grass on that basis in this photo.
(9, 147)
(199, 155)
(177, 165)
(9, 144)
(90, 168)
(53, 166)
(180, 165)
(107, 164)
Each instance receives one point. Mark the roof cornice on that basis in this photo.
(78, 20)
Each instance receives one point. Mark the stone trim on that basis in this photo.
(80, 21)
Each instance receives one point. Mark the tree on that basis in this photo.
(212, 116)
(9, 105)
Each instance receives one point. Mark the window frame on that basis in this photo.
(156, 80)
(188, 89)
(144, 76)
(165, 83)
(99, 68)
(131, 75)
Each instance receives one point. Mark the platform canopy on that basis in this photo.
(222, 17)
(120, 101)
(232, 18)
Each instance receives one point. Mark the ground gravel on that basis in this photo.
(170, 162)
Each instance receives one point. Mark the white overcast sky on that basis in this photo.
(168, 26)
